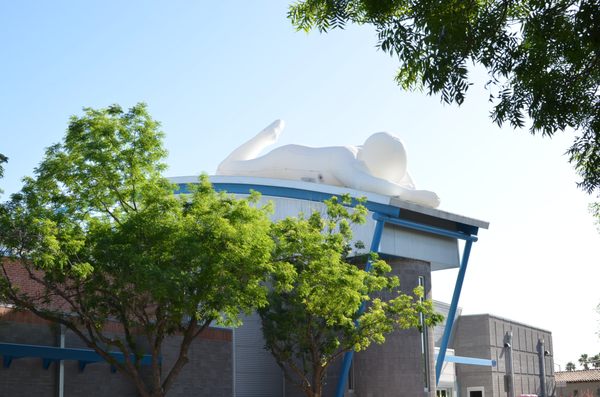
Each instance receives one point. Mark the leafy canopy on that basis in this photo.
(3, 159)
(542, 57)
(104, 237)
(313, 314)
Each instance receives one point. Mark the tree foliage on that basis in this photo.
(103, 237)
(570, 366)
(584, 361)
(542, 57)
(595, 361)
(3, 159)
(313, 314)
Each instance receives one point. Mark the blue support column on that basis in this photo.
(341, 386)
(453, 306)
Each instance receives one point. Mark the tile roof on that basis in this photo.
(590, 375)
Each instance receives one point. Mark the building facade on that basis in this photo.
(522, 353)
(415, 240)
(582, 383)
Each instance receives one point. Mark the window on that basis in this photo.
(443, 392)
(478, 391)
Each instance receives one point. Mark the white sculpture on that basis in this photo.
(378, 166)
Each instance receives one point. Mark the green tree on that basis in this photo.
(595, 361)
(3, 159)
(102, 236)
(542, 57)
(313, 314)
(570, 366)
(584, 361)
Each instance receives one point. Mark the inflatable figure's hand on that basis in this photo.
(422, 197)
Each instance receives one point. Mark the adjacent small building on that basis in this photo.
(521, 357)
(583, 383)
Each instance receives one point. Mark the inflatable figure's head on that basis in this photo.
(385, 156)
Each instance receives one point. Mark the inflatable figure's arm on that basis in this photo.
(358, 178)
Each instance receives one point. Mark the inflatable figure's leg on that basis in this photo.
(253, 147)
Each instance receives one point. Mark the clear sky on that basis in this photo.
(215, 73)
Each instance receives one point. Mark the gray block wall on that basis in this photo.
(26, 376)
(483, 336)
(396, 368)
(209, 372)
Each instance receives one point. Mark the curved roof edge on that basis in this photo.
(312, 191)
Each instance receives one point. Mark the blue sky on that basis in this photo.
(215, 73)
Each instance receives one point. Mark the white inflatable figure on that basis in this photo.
(378, 166)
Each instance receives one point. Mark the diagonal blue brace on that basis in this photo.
(341, 386)
(46, 362)
(81, 365)
(452, 312)
(7, 360)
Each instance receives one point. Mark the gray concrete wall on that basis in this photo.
(396, 367)
(472, 339)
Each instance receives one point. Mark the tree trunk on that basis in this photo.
(317, 382)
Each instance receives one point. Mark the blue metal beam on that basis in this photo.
(48, 354)
(452, 312)
(469, 360)
(341, 386)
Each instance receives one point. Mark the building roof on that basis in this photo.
(508, 320)
(389, 201)
(589, 375)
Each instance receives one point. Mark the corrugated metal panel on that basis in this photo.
(256, 373)
(441, 252)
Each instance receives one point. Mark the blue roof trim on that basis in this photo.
(469, 361)
(50, 354)
(289, 192)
